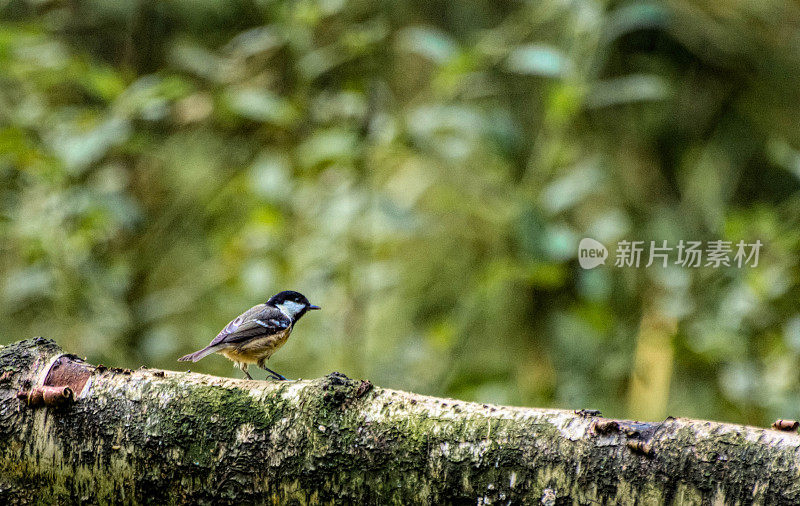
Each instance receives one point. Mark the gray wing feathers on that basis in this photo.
(260, 320)
(257, 321)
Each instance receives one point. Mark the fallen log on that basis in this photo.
(71, 432)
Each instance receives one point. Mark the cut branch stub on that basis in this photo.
(69, 371)
(47, 396)
(786, 425)
(64, 380)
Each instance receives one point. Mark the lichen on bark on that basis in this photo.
(150, 436)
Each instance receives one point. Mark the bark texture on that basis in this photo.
(161, 437)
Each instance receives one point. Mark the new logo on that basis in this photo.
(591, 253)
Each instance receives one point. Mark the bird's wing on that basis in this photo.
(260, 320)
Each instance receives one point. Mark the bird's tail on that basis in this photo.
(194, 357)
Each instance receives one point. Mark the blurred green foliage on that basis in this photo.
(423, 171)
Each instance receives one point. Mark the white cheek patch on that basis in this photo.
(290, 308)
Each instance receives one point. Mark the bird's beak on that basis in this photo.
(314, 307)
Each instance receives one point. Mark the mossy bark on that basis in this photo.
(163, 437)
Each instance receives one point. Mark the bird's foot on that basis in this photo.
(273, 374)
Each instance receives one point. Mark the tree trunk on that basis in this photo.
(151, 436)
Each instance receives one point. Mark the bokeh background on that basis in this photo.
(424, 171)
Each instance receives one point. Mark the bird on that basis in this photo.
(253, 336)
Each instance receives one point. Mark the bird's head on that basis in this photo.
(292, 304)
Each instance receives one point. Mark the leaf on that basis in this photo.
(262, 105)
(538, 60)
(633, 17)
(327, 146)
(254, 41)
(427, 42)
(79, 148)
(573, 187)
(627, 89)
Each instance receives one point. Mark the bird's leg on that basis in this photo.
(274, 374)
(244, 370)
